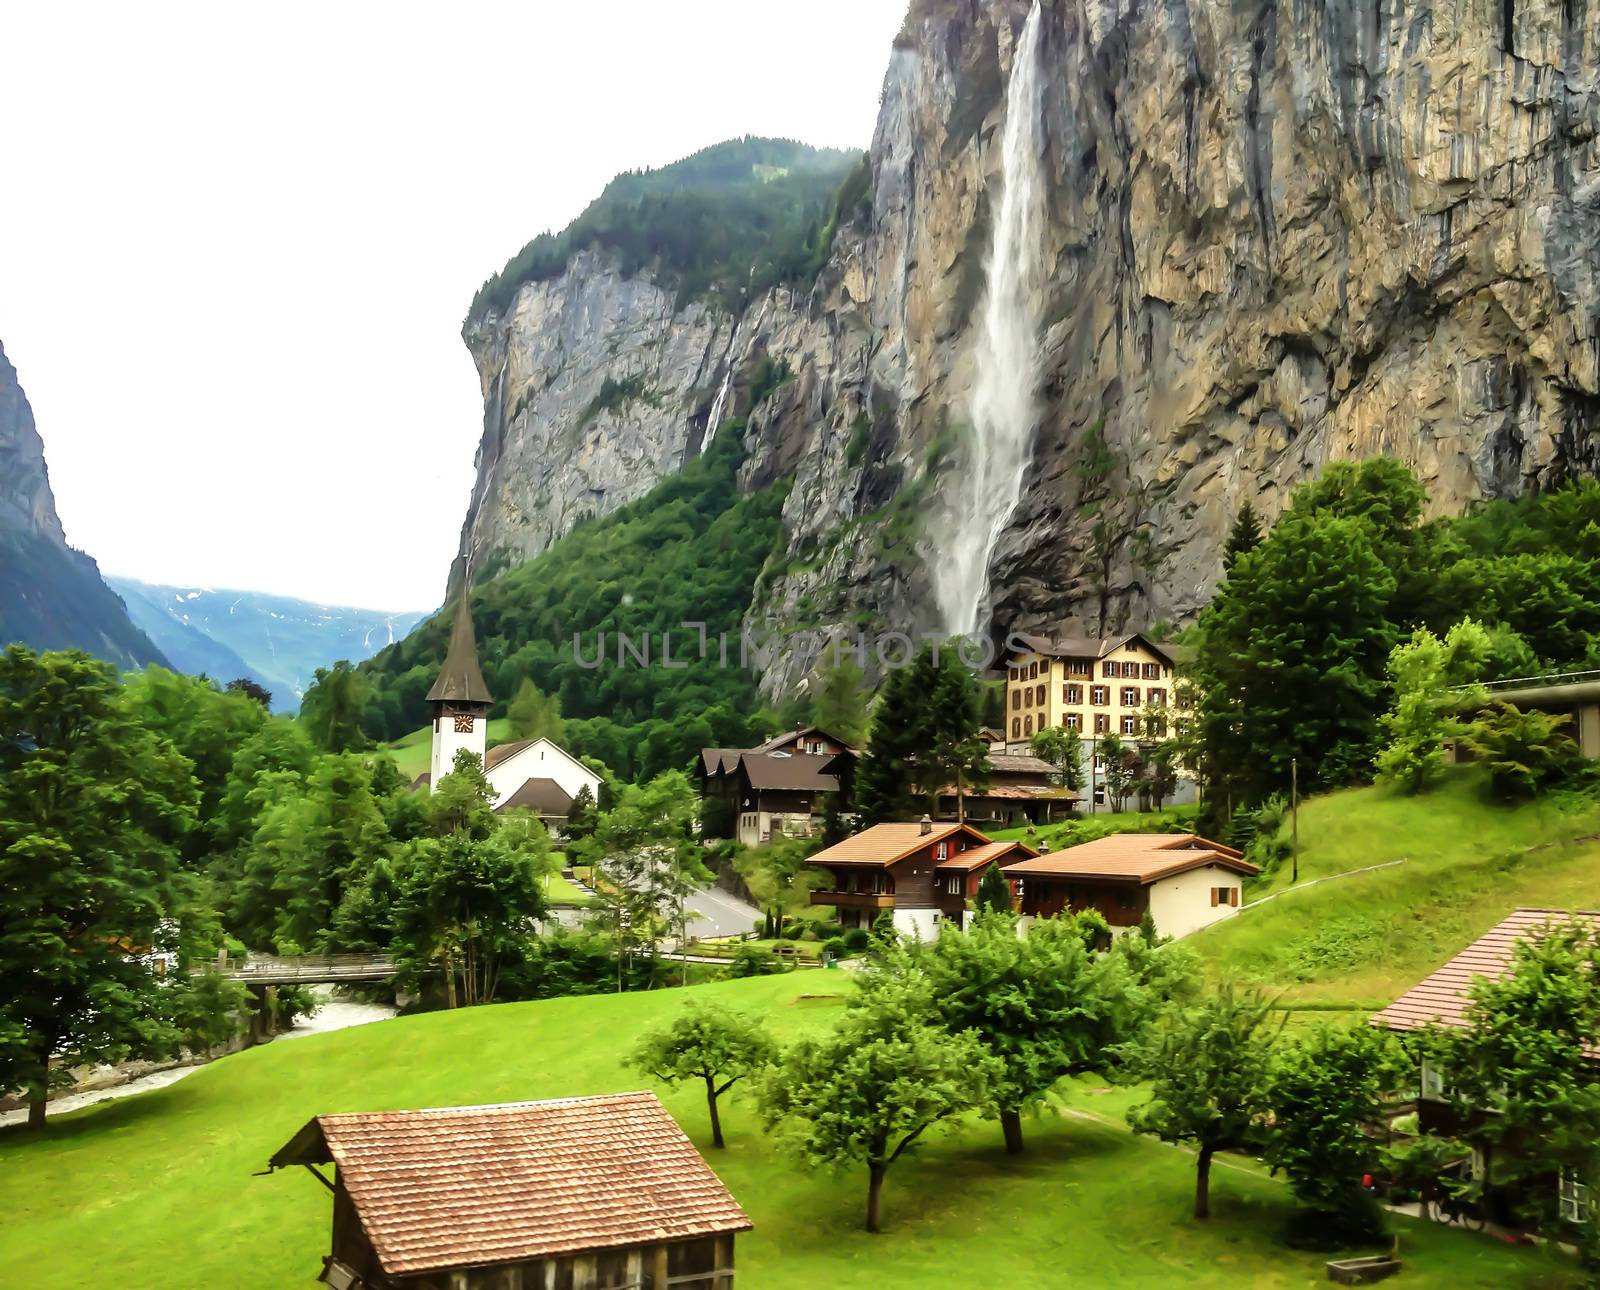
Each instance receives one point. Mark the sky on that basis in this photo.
(237, 243)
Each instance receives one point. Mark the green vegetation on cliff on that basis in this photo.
(688, 551)
(742, 215)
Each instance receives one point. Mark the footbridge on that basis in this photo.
(302, 969)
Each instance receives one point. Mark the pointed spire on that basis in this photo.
(461, 679)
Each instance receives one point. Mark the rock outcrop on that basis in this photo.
(51, 596)
(1277, 235)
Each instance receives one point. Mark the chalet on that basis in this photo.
(585, 1191)
(922, 873)
(1442, 999)
(1021, 789)
(779, 788)
(1184, 881)
(534, 775)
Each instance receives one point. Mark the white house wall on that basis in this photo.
(1182, 904)
(541, 760)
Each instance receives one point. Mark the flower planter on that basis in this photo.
(1363, 1271)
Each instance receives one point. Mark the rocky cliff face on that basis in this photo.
(1276, 236)
(51, 596)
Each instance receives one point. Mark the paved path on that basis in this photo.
(720, 913)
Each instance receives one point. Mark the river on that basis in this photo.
(334, 1014)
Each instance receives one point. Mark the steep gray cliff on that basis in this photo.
(51, 596)
(1277, 235)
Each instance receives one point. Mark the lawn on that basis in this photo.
(1362, 940)
(156, 1192)
(560, 891)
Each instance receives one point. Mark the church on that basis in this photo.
(534, 775)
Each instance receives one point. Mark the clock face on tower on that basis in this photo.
(463, 723)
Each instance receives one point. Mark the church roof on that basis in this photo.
(461, 679)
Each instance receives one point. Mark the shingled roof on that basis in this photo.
(544, 797)
(1090, 646)
(475, 1185)
(1442, 998)
(1133, 857)
(461, 679)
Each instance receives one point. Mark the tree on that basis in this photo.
(994, 892)
(92, 810)
(251, 690)
(924, 738)
(710, 1044)
(1243, 537)
(1425, 674)
(463, 800)
(1207, 1067)
(870, 1091)
(778, 878)
(334, 706)
(1523, 751)
(1119, 766)
(1323, 1090)
(533, 714)
(1062, 747)
(582, 816)
(1522, 1057)
(1042, 1005)
(470, 904)
(838, 701)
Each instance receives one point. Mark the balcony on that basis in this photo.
(853, 899)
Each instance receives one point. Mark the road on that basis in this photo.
(720, 913)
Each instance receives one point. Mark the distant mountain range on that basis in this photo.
(51, 595)
(276, 641)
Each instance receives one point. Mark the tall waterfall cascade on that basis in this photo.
(1007, 372)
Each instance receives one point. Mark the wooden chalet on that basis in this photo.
(578, 1193)
(779, 788)
(923, 873)
(1021, 789)
(1184, 881)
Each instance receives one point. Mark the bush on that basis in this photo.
(836, 946)
(793, 930)
(857, 939)
(752, 960)
(1358, 1224)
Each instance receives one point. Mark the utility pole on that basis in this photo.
(1294, 819)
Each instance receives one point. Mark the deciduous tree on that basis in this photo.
(711, 1044)
(1423, 674)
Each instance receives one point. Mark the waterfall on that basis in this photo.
(1007, 369)
(714, 417)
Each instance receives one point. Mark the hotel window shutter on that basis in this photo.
(1213, 896)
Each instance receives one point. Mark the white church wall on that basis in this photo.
(542, 759)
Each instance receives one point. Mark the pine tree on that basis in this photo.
(924, 738)
(994, 892)
(1244, 536)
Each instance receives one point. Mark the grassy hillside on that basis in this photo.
(413, 753)
(157, 1193)
(1360, 941)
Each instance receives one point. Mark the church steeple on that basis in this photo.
(460, 698)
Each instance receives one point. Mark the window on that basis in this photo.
(1224, 895)
(1033, 671)
(1099, 695)
(1027, 724)
(1433, 1085)
(1152, 671)
(1130, 696)
(1156, 697)
(1072, 694)
(1111, 669)
(1016, 726)
(1156, 727)
(1130, 725)
(1016, 698)
(1576, 1206)
(1072, 721)
(1038, 696)
(1102, 723)
(1044, 667)
(941, 850)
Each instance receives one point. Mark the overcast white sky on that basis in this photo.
(237, 242)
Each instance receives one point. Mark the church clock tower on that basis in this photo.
(459, 698)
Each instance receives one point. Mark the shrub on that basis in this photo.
(752, 960)
(857, 939)
(793, 931)
(836, 946)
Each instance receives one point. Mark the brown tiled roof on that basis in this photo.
(1133, 857)
(475, 1185)
(794, 772)
(1443, 997)
(500, 752)
(977, 857)
(1089, 646)
(1020, 764)
(460, 679)
(883, 844)
(541, 796)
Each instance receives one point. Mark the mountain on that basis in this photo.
(51, 596)
(1108, 273)
(276, 641)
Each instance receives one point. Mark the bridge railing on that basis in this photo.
(309, 967)
(1548, 680)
